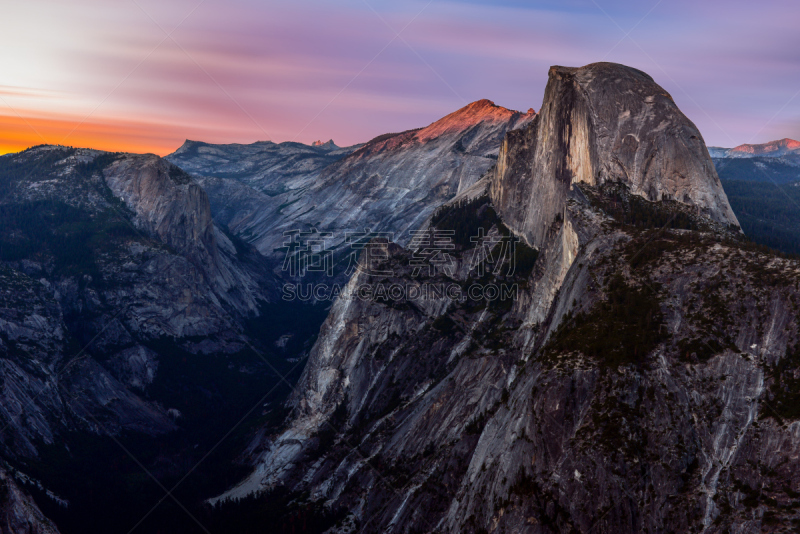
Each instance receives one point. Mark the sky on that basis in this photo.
(144, 75)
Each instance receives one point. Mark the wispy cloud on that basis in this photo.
(283, 62)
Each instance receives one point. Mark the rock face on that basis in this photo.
(18, 513)
(330, 145)
(604, 123)
(642, 379)
(170, 205)
(167, 203)
(392, 183)
(102, 255)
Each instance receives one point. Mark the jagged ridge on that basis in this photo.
(391, 183)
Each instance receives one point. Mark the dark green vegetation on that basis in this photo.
(619, 330)
(766, 170)
(524, 259)
(243, 249)
(52, 231)
(466, 219)
(13, 169)
(99, 163)
(283, 512)
(178, 175)
(765, 196)
(275, 319)
(66, 238)
(628, 209)
(785, 391)
(469, 219)
(650, 246)
(769, 213)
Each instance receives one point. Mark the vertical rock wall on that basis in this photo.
(603, 123)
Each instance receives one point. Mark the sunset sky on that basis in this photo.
(143, 75)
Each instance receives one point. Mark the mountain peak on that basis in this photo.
(329, 145)
(187, 146)
(483, 110)
(603, 122)
(483, 103)
(790, 143)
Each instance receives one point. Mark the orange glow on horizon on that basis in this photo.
(18, 133)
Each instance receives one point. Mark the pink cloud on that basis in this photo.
(282, 66)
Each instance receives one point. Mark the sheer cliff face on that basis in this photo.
(171, 206)
(603, 123)
(167, 202)
(643, 379)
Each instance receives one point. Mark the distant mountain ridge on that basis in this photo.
(391, 183)
(771, 149)
(263, 165)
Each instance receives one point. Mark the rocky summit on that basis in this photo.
(598, 124)
(638, 376)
